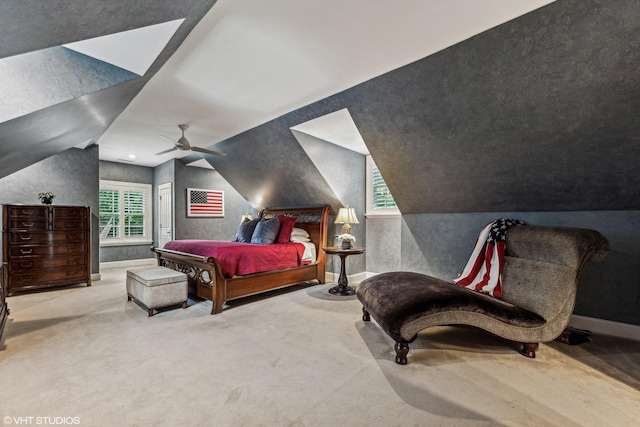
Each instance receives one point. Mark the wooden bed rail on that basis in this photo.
(205, 275)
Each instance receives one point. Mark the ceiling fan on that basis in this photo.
(183, 144)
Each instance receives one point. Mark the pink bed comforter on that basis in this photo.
(238, 259)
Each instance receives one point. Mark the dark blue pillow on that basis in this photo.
(245, 231)
(266, 231)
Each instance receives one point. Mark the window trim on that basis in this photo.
(122, 186)
(371, 211)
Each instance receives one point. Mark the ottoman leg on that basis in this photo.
(402, 349)
(184, 305)
(365, 315)
(149, 312)
(128, 297)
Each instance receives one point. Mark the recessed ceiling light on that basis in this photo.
(132, 156)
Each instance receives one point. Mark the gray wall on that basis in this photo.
(206, 228)
(71, 175)
(123, 172)
(344, 171)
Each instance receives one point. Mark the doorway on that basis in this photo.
(165, 214)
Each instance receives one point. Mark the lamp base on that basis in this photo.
(346, 229)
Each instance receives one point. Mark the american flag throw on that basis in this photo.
(483, 272)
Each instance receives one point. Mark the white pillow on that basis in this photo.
(300, 239)
(299, 232)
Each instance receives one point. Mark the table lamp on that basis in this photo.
(346, 216)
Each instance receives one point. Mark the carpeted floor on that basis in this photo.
(292, 358)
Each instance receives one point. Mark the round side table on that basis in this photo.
(343, 287)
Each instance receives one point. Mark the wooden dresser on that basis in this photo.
(46, 245)
(4, 310)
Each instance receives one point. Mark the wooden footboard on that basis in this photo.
(207, 281)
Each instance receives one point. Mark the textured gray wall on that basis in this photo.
(537, 118)
(538, 114)
(344, 171)
(74, 75)
(114, 171)
(206, 228)
(71, 175)
(268, 167)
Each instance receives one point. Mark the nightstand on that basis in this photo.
(343, 287)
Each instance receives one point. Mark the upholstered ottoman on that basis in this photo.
(156, 287)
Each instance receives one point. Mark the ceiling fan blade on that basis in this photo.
(205, 151)
(166, 151)
(170, 139)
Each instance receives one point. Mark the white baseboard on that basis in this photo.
(353, 279)
(95, 277)
(129, 263)
(606, 327)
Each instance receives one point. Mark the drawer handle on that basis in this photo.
(26, 264)
(28, 211)
(71, 224)
(26, 278)
(25, 237)
(26, 251)
(28, 224)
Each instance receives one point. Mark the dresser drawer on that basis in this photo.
(27, 224)
(31, 212)
(30, 251)
(69, 224)
(33, 263)
(26, 238)
(48, 277)
(69, 212)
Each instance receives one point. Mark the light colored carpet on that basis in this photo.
(294, 358)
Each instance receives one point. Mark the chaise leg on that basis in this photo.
(402, 349)
(529, 349)
(365, 315)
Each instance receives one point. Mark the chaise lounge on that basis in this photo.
(542, 268)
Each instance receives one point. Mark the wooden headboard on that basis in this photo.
(313, 219)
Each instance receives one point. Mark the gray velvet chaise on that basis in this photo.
(542, 268)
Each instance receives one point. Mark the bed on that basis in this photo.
(206, 277)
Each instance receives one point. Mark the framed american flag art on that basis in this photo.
(205, 203)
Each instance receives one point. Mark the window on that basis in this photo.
(379, 198)
(125, 213)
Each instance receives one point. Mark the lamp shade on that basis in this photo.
(347, 216)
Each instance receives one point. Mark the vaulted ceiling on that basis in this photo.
(228, 68)
(499, 105)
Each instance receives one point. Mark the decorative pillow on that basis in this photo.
(245, 230)
(286, 226)
(266, 231)
(300, 239)
(299, 232)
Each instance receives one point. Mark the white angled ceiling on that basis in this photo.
(133, 50)
(248, 62)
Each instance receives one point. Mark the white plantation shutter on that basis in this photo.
(125, 215)
(379, 201)
(109, 214)
(382, 197)
(134, 213)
